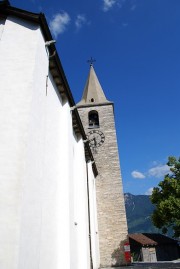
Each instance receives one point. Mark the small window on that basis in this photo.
(93, 119)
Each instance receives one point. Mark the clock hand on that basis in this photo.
(95, 142)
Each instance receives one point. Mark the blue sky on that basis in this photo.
(136, 44)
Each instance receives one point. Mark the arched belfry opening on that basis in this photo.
(93, 119)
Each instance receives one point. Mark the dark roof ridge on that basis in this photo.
(10, 10)
(5, 2)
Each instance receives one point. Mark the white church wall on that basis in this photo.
(81, 208)
(63, 212)
(16, 78)
(43, 176)
(72, 200)
(93, 217)
(84, 211)
(45, 242)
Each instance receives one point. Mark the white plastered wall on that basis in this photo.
(80, 204)
(84, 212)
(93, 217)
(16, 80)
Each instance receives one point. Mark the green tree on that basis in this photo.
(166, 198)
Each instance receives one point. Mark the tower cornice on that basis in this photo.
(95, 104)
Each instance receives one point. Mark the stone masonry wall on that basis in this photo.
(112, 222)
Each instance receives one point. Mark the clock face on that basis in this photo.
(96, 138)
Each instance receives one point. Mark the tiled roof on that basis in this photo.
(151, 239)
(142, 239)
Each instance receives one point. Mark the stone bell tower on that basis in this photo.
(97, 115)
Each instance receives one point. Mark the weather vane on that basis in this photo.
(91, 61)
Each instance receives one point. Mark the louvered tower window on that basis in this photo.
(93, 119)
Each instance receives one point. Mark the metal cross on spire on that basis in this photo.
(91, 61)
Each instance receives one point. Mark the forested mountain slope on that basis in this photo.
(138, 210)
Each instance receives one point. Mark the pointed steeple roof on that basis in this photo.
(93, 92)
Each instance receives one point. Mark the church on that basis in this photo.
(61, 194)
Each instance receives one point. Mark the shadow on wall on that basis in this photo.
(118, 255)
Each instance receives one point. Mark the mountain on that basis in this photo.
(138, 211)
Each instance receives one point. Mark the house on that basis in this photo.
(153, 247)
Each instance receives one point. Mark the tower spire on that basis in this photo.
(93, 92)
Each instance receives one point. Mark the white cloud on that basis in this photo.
(159, 171)
(108, 4)
(59, 23)
(80, 21)
(149, 191)
(137, 174)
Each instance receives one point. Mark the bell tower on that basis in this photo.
(97, 116)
